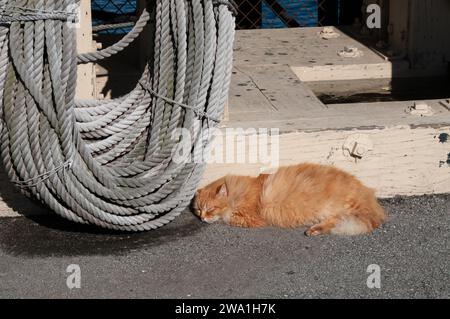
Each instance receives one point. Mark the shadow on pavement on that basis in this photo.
(44, 236)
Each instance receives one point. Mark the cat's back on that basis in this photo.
(309, 179)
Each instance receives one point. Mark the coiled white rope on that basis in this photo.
(109, 162)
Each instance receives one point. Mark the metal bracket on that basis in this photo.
(351, 52)
(420, 109)
(357, 146)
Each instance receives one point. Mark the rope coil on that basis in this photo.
(110, 162)
(201, 114)
(11, 14)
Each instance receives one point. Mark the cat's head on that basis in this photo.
(211, 203)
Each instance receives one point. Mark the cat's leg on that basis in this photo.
(322, 228)
(245, 220)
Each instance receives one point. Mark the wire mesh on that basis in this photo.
(252, 14)
(256, 14)
(113, 12)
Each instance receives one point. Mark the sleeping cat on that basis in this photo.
(324, 198)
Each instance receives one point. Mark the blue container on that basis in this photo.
(305, 12)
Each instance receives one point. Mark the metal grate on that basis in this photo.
(113, 12)
(252, 14)
(255, 14)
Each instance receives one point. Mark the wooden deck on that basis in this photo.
(267, 91)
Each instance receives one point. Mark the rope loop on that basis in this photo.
(41, 178)
(22, 14)
(112, 163)
(197, 111)
(229, 3)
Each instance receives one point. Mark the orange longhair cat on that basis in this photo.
(324, 198)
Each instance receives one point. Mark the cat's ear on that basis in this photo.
(223, 191)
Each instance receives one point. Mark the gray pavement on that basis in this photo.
(188, 259)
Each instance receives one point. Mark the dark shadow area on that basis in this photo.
(120, 73)
(16, 201)
(403, 86)
(249, 14)
(51, 235)
(43, 233)
(382, 90)
(103, 16)
(349, 17)
(349, 11)
(411, 41)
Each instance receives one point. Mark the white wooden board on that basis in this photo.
(86, 72)
(404, 161)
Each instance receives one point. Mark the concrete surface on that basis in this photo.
(190, 260)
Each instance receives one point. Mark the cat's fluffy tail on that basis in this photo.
(350, 226)
(361, 219)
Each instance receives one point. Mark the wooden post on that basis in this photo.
(145, 50)
(419, 30)
(86, 72)
(429, 25)
(399, 27)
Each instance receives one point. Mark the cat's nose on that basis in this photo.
(201, 214)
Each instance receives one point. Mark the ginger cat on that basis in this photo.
(324, 198)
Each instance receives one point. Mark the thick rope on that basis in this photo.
(110, 26)
(110, 162)
(9, 14)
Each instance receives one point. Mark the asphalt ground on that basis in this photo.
(188, 259)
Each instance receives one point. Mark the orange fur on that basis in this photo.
(323, 197)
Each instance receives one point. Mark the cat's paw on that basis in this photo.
(313, 232)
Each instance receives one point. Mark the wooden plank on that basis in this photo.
(86, 72)
(345, 72)
(245, 95)
(404, 160)
(397, 68)
(419, 30)
(269, 92)
(145, 50)
(296, 47)
(398, 26)
(429, 25)
(334, 116)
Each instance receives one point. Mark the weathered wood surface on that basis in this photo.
(345, 117)
(383, 70)
(404, 160)
(421, 32)
(86, 72)
(297, 47)
(408, 157)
